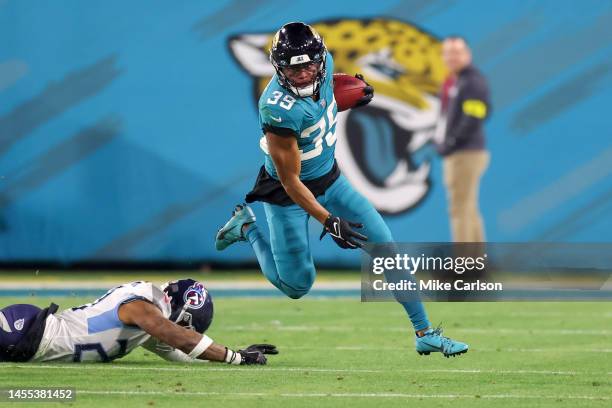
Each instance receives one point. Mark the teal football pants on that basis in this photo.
(287, 262)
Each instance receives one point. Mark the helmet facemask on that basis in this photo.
(302, 91)
(185, 319)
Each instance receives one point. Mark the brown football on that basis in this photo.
(347, 91)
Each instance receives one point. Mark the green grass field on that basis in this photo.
(340, 352)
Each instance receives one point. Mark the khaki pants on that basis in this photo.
(462, 173)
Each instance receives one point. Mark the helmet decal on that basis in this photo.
(194, 297)
(19, 324)
(275, 40)
(191, 304)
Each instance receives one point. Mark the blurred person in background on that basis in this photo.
(460, 139)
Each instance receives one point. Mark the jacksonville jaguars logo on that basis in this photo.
(195, 296)
(382, 148)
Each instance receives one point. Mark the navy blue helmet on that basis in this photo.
(191, 304)
(294, 45)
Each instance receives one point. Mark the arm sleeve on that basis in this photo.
(169, 353)
(474, 108)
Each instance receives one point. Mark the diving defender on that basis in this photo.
(169, 321)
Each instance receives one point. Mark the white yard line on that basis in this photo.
(500, 330)
(348, 395)
(259, 370)
(607, 315)
(551, 350)
(479, 350)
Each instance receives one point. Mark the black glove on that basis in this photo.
(254, 354)
(252, 357)
(368, 91)
(342, 232)
(264, 348)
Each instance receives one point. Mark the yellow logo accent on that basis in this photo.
(475, 108)
(275, 39)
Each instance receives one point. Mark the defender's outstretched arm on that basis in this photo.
(150, 319)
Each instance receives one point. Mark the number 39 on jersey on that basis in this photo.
(324, 129)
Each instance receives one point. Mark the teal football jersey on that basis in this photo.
(313, 123)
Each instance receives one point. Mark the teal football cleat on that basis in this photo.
(232, 230)
(433, 341)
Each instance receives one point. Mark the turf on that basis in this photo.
(340, 352)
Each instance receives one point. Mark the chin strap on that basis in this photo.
(303, 92)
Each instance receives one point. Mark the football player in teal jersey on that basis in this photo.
(300, 179)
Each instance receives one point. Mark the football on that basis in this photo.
(347, 91)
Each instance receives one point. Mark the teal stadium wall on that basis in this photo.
(128, 130)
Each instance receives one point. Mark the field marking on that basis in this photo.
(467, 314)
(314, 328)
(536, 350)
(348, 395)
(479, 350)
(259, 370)
(607, 315)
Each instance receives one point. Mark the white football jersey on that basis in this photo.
(93, 332)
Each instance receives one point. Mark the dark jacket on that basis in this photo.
(467, 109)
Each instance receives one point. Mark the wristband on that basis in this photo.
(231, 357)
(201, 347)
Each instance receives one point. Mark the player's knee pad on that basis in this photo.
(296, 293)
(297, 283)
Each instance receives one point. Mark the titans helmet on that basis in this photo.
(191, 304)
(294, 45)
